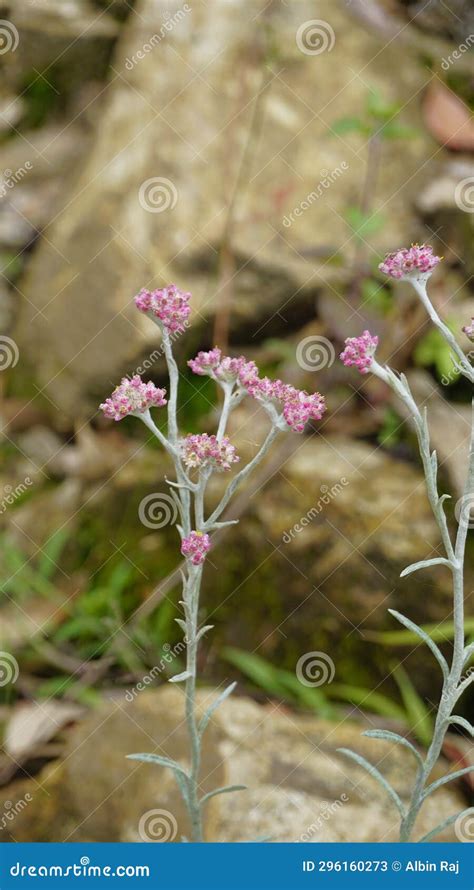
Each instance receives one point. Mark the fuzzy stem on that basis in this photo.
(236, 481)
(419, 285)
(191, 598)
(452, 682)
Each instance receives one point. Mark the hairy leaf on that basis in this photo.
(423, 636)
(460, 721)
(203, 631)
(451, 777)
(431, 834)
(180, 678)
(424, 564)
(374, 772)
(226, 789)
(388, 736)
(215, 704)
(159, 761)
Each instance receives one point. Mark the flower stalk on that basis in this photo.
(195, 458)
(415, 266)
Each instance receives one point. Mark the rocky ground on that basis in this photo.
(300, 788)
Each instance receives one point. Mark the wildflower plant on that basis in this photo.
(415, 265)
(195, 458)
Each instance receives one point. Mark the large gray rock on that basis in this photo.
(216, 114)
(64, 43)
(299, 787)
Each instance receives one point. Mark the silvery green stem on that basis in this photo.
(419, 285)
(191, 599)
(401, 388)
(146, 417)
(240, 477)
(226, 408)
(190, 497)
(452, 682)
(173, 372)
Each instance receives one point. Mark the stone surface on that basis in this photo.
(249, 115)
(325, 542)
(300, 787)
(64, 42)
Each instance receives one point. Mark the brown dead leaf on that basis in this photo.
(448, 118)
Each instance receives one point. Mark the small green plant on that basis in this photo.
(377, 124)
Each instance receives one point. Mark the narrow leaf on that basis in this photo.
(424, 564)
(159, 761)
(388, 736)
(443, 498)
(375, 775)
(180, 678)
(181, 623)
(468, 652)
(451, 777)
(226, 789)
(423, 636)
(431, 834)
(215, 704)
(460, 721)
(203, 631)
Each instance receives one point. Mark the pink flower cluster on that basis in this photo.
(169, 305)
(360, 351)
(133, 396)
(469, 330)
(195, 547)
(298, 406)
(201, 450)
(224, 368)
(413, 261)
